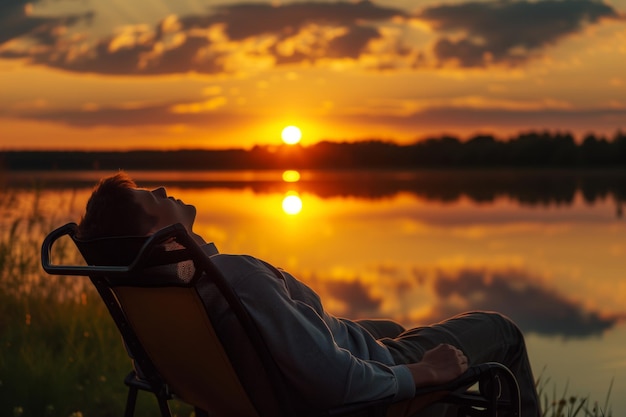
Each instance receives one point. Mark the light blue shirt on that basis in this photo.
(331, 361)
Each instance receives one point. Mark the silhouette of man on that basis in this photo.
(331, 360)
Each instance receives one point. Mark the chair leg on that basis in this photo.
(164, 406)
(131, 400)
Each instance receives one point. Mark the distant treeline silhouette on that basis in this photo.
(526, 150)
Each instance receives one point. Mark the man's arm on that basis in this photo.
(302, 344)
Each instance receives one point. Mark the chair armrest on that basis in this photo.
(484, 374)
(474, 374)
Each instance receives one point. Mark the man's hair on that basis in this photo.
(113, 211)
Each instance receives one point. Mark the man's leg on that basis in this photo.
(483, 337)
(380, 328)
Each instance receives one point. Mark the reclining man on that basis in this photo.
(334, 360)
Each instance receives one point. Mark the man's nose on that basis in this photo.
(159, 192)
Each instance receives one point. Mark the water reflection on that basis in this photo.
(527, 187)
(428, 296)
(518, 294)
(399, 256)
(545, 248)
(291, 176)
(292, 204)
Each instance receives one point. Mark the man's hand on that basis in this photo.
(439, 365)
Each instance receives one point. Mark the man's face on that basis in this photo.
(166, 209)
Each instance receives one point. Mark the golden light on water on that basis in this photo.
(291, 176)
(397, 253)
(291, 135)
(292, 204)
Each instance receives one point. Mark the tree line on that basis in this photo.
(533, 149)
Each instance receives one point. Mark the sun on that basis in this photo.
(291, 135)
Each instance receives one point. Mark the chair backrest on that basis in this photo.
(178, 337)
(180, 322)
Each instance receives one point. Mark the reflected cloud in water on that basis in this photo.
(510, 291)
(356, 296)
(518, 295)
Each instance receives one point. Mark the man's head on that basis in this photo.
(118, 208)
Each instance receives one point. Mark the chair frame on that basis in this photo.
(486, 401)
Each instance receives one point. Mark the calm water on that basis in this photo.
(548, 249)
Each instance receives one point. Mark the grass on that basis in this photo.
(60, 353)
(566, 405)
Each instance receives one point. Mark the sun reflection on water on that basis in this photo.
(292, 203)
(291, 176)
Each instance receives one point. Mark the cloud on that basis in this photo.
(236, 37)
(135, 51)
(477, 34)
(159, 114)
(436, 118)
(16, 21)
(250, 20)
(227, 39)
(427, 122)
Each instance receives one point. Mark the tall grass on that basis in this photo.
(563, 404)
(60, 353)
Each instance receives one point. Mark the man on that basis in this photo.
(334, 361)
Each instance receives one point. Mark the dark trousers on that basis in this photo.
(482, 336)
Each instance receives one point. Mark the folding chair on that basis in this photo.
(191, 339)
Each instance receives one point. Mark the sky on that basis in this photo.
(96, 74)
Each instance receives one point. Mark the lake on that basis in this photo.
(547, 248)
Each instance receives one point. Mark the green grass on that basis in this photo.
(60, 353)
(62, 357)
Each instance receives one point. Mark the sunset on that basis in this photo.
(291, 135)
(186, 74)
(312, 207)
